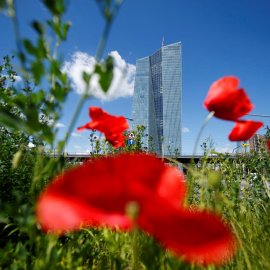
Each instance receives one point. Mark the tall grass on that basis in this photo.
(237, 189)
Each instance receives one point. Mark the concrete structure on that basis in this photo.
(256, 142)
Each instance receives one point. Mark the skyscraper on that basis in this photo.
(157, 99)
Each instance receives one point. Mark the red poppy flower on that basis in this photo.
(101, 189)
(268, 145)
(111, 126)
(197, 237)
(97, 193)
(228, 102)
(243, 130)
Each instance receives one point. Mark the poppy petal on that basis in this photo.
(59, 213)
(268, 145)
(172, 186)
(244, 130)
(197, 237)
(111, 126)
(228, 102)
(103, 187)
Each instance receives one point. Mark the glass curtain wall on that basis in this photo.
(157, 100)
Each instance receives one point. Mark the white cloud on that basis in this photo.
(17, 83)
(82, 150)
(224, 150)
(60, 125)
(122, 84)
(18, 78)
(73, 134)
(185, 130)
(83, 153)
(31, 145)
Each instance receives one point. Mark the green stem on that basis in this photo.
(135, 250)
(17, 36)
(106, 31)
(54, 58)
(201, 130)
(100, 50)
(74, 118)
(103, 40)
(162, 147)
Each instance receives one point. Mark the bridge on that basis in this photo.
(185, 159)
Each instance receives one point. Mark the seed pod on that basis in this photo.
(132, 209)
(214, 180)
(16, 159)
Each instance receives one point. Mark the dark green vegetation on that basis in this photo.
(239, 190)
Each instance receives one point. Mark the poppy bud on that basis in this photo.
(16, 159)
(214, 180)
(132, 209)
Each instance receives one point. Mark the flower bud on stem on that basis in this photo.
(132, 210)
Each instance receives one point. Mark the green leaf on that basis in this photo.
(30, 48)
(55, 68)
(13, 231)
(38, 71)
(105, 71)
(38, 27)
(20, 101)
(56, 7)
(59, 92)
(9, 120)
(3, 4)
(41, 48)
(65, 29)
(86, 77)
(56, 28)
(32, 117)
(9, 225)
(63, 78)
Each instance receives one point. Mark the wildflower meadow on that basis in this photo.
(124, 207)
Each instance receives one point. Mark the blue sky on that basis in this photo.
(218, 38)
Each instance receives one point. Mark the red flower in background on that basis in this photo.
(268, 145)
(243, 130)
(97, 193)
(111, 126)
(228, 102)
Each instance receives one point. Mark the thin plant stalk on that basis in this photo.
(73, 120)
(162, 146)
(106, 31)
(201, 130)
(99, 53)
(135, 249)
(15, 25)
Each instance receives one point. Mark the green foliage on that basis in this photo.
(267, 133)
(15, 179)
(57, 8)
(239, 189)
(105, 72)
(236, 188)
(139, 133)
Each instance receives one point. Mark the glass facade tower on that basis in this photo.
(157, 99)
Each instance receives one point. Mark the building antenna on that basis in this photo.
(163, 41)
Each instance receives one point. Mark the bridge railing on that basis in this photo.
(185, 155)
